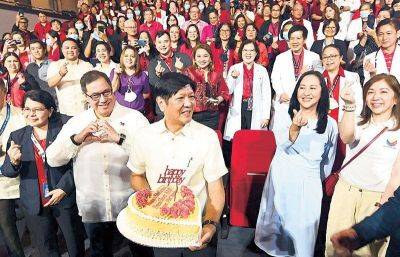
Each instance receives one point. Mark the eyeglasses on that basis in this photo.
(28, 110)
(96, 96)
(330, 27)
(330, 57)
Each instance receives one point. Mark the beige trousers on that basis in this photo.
(349, 206)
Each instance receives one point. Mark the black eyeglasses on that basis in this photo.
(96, 96)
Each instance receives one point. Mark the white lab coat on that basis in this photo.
(261, 99)
(352, 79)
(348, 15)
(378, 60)
(284, 81)
(310, 34)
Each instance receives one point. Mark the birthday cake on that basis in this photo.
(167, 217)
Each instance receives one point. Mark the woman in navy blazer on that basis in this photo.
(330, 29)
(47, 194)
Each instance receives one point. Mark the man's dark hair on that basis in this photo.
(107, 46)
(384, 22)
(92, 76)
(170, 83)
(35, 41)
(296, 28)
(162, 33)
(55, 20)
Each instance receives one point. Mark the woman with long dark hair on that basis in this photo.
(53, 43)
(223, 49)
(192, 40)
(47, 193)
(290, 208)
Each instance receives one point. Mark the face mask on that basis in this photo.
(137, 12)
(123, 8)
(187, 6)
(364, 15)
(130, 16)
(79, 26)
(201, 7)
(114, 23)
(285, 35)
(73, 36)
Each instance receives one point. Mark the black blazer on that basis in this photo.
(60, 177)
(318, 45)
(384, 222)
(264, 31)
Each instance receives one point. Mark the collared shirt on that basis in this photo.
(248, 75)
(70, 96)
(9, 187)
(372, 169)
(106, 70)
(153, 28)
(102, 179)
(200, 25)
(191, 157)
(41, 30)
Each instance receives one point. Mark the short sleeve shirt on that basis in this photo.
(190, 157)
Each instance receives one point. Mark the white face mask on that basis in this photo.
(114, 22)
(364, 14)
(129, 16)
(79, 26)
(285, 35)
(201, 7)
(137, 12)
(187, 6)
(123, 8)
(73, 36)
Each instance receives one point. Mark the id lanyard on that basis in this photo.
(3, 126)
(42, 154)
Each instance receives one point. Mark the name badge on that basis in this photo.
(46, 190)
(130, 96)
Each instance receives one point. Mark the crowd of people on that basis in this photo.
(99, 106)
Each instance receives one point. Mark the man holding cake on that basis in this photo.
(181, 161)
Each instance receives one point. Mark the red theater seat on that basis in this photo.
(252, 153)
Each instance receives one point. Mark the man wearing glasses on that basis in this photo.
(64, 75)
(98, 141)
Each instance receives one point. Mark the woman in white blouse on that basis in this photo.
(369, 180)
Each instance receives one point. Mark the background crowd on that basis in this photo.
(321, 74)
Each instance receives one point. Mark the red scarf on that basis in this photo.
(388, 59)
(298, 62)
(334, 90)
(168, 60)
(248, 75)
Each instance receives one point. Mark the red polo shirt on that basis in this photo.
(41, 31)
(152, 28)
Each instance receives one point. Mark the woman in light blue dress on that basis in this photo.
(290, 208)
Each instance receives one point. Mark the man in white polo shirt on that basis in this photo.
(178, 143)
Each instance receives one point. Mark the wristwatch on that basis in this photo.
(206, 222)
(122, 138)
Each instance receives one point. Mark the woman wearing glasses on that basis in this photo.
(47, 194)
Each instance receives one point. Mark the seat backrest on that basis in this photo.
(252, 153)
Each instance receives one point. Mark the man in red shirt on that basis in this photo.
(42, 27)
(150, 24)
